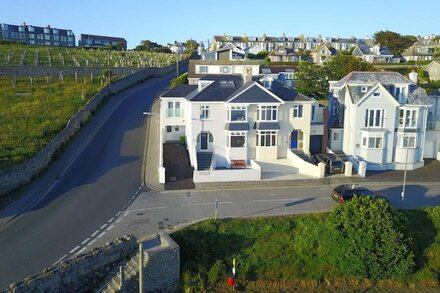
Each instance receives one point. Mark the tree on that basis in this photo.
(191, 46)
(312, 80)
(371, 240)
(341, 65)
(394, 41)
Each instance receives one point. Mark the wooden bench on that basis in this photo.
(238, 164)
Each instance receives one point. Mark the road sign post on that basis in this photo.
(216, 209)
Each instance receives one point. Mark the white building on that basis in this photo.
(384, 119)
(235, 121)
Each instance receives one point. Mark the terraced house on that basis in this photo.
(382, 120)
(235, 126)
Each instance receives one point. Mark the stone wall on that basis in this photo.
(55, 71)
(81, 273)
(23, 173)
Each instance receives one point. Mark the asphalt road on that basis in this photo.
(96, 177)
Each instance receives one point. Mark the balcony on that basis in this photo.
(174, 112)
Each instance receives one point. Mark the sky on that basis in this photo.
(167, 21)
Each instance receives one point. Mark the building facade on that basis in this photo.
(95, 41)
(37, 35)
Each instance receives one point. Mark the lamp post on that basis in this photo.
(109, 73)
(177, 63)
(406, 167)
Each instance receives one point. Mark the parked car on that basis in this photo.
(343, 193)
(333, 164)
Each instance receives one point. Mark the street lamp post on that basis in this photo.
(109, 73)
(406, 167)
(177, 63)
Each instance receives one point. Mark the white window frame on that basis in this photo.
(237, 108)
(336, 93)
(205, 112)
(408, 121)
(407, 140)
(370, 141)
(273, 138)
(272, 110)
(199, 67)
(174, 111)
(228, 69)
(376, 94)
(334, 136)
(237, 133)
(371, 122)
(297, 113)
(364, 89)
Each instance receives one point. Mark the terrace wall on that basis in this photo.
(56, 71)
(23, 173)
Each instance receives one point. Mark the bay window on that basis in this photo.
(237, 139)
(372, 140)
(237, 113)
(407, 118)
(407, 140)
(266, 138)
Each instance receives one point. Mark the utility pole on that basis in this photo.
(177, 63)
(216, 209)
(109, 74)
(141, 267)
(406, 167)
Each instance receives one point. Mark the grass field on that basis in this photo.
(291, 254)
(36, 110)
(59, 56)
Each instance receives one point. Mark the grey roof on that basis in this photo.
(417, 95)
(96, 37)
(254, 94)
(215, 92)
(237, 126)
(192, 65)
(286, 93)
(267, 126)
(181, 90)
(275, 69)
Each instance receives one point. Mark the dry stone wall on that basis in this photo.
(44, 71)
(23, 173)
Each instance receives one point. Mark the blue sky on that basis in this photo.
(168, 20)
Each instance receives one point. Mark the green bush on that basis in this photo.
(182, 79)
(371, 240)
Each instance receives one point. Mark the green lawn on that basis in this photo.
(59, 56)
(291, 253)
(31, 115)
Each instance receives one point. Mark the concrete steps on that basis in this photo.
(204, 161)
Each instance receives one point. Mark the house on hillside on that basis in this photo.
(283, 73)
(323, 53)
(283, 54)
(229, 52)
(433, 70)
(374, 54)
(241, 122)
(384, 119)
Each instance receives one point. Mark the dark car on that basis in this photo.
(343, 193)
(333, 164)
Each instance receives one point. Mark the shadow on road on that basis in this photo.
(289, 204)
(416, 196)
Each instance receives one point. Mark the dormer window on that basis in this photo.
(364, 89)
(267, 83)
(227, 84)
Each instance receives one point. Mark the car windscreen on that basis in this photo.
(337, 163)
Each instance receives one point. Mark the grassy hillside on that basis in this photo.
(35, 111)
(59, 56)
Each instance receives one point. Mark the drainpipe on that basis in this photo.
(141, 267)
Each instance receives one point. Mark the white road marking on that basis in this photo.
(117, 215)
(75, 249)
(278, 199)
(125, 214)
(133, 197)
(59, 260)
(205, 203)
(91, 242)
(103, 226)
(100, 235)
(140, 188)
(81, 251)
(111, 227)
(85, 241)
(94, 234)
(145, 209)
(118, 220)
(111, 220)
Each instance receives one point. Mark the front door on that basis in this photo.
(294, 139)
(203, 141)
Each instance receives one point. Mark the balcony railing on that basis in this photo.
(174, 112)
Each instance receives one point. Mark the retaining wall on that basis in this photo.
(43, 71)
(23, 173)
(81, 273)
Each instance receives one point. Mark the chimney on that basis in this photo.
(413, 75)
(247, 74)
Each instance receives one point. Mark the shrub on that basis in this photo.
(371, 241)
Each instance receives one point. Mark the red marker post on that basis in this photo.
(231, 282)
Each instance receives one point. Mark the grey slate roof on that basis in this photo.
(267, 126)
(181, 90)
(275, 69)
(254, 94)
(214, 92)
(286, 93)
(237, 126)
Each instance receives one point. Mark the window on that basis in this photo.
(408, 118)
(56, 38)
(266, 138)
(47, 43)
(372, 141)
(406, 140)
(32, 42)
(203, 69)
(227, 83)
(364, 89)
(21, 29)
(313, 112)
(267, 84)
(47, 37)
(225, 69)
(336, 136)
(55, 31)
(237, 113)
(4, 27)
(31, 36)
(237, 139)
(174, 109)
(47, 30)
(267, 113)
(205, 112)
(31, 28)
(335, 93)
(169, 128)
(374, 117)
(377, 94)
(298, 111)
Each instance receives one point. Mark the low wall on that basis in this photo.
(306, 168)
(23, 173)
(226, 175)
(43, 71)
(81, 273)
